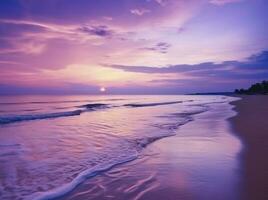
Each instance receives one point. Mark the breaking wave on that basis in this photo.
(7, 119)
(151, 104)
(132, 149)
(19, 118)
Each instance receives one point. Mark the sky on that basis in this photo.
(132, 46)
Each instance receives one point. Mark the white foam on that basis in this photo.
(64, 189)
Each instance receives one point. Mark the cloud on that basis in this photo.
(223, 2)
(161, 47)
(101, 30)
(254, 67)
(140, 11)
(36, 43)
(101, 15)
(8, 30)
(161, 2)
(13, 29)
(81, 11)
(261, 57)
(38, 35)
(19, 37)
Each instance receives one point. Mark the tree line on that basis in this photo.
(257, 88)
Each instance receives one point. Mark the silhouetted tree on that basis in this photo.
(257, 88)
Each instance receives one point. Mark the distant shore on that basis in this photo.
(251, 125)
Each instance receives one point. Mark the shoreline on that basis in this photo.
(189, 165)
(251, 126)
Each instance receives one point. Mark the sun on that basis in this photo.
(102, 89)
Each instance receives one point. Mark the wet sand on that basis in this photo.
(251, 125)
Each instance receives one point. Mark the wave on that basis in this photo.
(94, 106)
(151, 104)
(180, 119)
(65, 189)
(18, 118)
(86, 107)
(7, 119)
(136, 144)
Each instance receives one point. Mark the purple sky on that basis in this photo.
(132, 46)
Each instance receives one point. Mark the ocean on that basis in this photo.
(49, 145)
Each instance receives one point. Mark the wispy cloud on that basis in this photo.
(139, 11)
(223, 2)
(161, 2)
(101, 30)
(161, 47)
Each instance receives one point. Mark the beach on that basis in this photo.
(118, 147)
(187, 147)
(200, 162)
(251, 125)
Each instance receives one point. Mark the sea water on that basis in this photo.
(51, 144)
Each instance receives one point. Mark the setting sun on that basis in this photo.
(102, 89)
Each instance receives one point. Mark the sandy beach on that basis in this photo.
(251, 125)
(163, 174)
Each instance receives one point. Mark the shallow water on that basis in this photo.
(49, 145)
